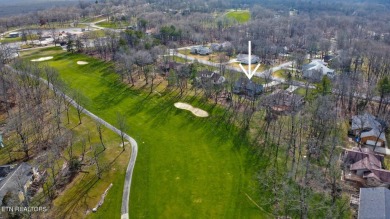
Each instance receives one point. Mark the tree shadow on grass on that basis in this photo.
(121, 92)
(71, 202)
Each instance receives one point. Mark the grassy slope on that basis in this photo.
(240, 16)
(186, 166)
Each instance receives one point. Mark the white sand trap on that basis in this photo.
(196, 111)
(42, 59)
(82, 62)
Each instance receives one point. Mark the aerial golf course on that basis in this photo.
(187, 166)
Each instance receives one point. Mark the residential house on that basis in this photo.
(200, 50)
(363, 167)
(244, 59)
(14, 34)
(368, 130)
(216, 46)
(317, 69)
(226, 45)
(374, 203)
(16, 179)
(246, 87)
(206, 76)
(282, 101)
(169, 65)
(220, 46)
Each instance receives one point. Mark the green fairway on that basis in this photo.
(114, 25)
(240, 16)
(187, 167)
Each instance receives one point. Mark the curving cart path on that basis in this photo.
(134, 146)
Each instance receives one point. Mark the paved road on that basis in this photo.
(262, 74)
(134, 146)
(93, 25)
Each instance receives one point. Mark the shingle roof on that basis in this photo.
(362, 160)
(18, 176)
(374, 203)
(244, 58)
(316, 65)
(243, 85)
(366, 121)
(371, 163)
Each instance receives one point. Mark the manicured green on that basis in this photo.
(240, 16)
(187, 167)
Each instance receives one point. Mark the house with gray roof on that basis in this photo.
(374, 203)
(368, 129)
(246, 87)
(15, 178)
(216, 46)
(200, 50)
(220, 46)
(317, 69)
(244, 59)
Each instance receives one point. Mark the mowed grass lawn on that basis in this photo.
(110, 24)
(240, 16)
(187, 167)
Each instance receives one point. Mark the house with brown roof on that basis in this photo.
(364, 167)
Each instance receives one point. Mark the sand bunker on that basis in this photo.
(196, 111)
(82, 62)
(42, 59)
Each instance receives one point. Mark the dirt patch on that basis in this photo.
(42, 59)
(82, 62)
(196, 111)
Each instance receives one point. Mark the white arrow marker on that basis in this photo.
(249, 73)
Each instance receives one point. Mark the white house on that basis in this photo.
(317, 68)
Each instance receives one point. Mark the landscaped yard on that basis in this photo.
(186, 166)
(240, 16)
